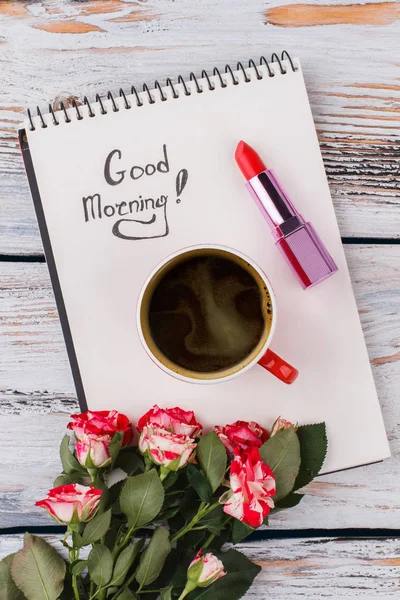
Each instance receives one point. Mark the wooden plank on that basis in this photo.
(32, 357)
(307, 568)
(63, 48)
(307, 15)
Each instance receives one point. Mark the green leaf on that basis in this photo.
(153, 558)
(99, 484)
(142, 498)
(289, 501)
(112, 534)
(68, 460)
(282, 453)
(170, 480)
(241, 573)
(199, 483)
(78, 567)
(313, 447)
(8, 589)
(96, 528)
(66, 478)
(38, 570)
(115, 445)
(124, 562)
(77, 539)
(214, 520)
(114, 492)
(188, 504)
(167, 594)
(192, 540)
(219, 541)
(127, 595)
(168, 514)
(240, 531)
(212, 457)
(129, 462)
(100, 564)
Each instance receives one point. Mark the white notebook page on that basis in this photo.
(101, 274)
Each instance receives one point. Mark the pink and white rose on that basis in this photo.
(101, 422)
(281, 424)
(166, 449)
(94, 431)
(72, 503)
(241, 434)
(175, 420)
(92, 450)
(205, 569)
(252, 484)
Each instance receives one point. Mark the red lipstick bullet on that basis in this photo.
(248, 160)
(297, 239)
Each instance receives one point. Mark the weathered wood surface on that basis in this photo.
(308, 568)
(32, 357)
(349, 54)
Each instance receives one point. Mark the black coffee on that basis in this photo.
(207, 314)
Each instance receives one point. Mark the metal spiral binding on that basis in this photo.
(159, 90)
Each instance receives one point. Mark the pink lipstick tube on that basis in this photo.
(297, 239)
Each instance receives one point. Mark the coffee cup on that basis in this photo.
(207, 314)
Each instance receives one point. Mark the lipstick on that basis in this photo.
(297, 239)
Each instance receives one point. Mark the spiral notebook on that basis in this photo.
(121, 182)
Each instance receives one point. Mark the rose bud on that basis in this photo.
(241, 434)
(175, 420)
(205, 569)
(252, 483)
(202, 572)
(72, 503)
(166, 449)
(281, 424)
(94, 431)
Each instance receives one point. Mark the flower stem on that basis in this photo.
(93, 474)
(100, 593)
(204, 510)
(72, 556)
(148, 463)
(66, 534)
(124, 542)
(190, 586)
(75, 587)
(164, 472)
(209, 540)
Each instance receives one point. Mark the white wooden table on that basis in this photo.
(341, 540)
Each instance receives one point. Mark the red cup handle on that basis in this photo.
(278, 367)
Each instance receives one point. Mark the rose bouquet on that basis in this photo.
(152, 512)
